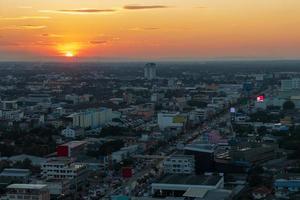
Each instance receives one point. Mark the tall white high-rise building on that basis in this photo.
(92, 118)
(150, 71)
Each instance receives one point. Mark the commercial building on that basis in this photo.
(27, 191)
(64, 168)
(92, 118)
(241, 159)
(150, 71)
(178, 185)
(204, 156)
(179, 164)
(171, 120)
(254, 155)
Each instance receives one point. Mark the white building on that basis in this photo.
(171, 120)
(64, 168)
(179, 164)
(92, 118)
(150, 71)
(27, 191)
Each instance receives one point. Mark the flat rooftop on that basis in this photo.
(74, 144)
(200, 147)
(27, 186)
(15, 172)
(177, 179)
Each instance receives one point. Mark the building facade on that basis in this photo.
(28, 191)
(179, 164)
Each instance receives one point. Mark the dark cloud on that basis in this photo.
(141, 7)
(98, 42)
(79, 11)
(51, 35)
(88, 10)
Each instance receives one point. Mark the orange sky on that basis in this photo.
(149, 30)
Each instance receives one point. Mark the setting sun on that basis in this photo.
(69, 54)
(68, 50)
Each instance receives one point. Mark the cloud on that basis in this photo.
(98, 42)
(23, 27)
(29, 26)
(142, 7)
(79, 11)
(144, 29)
(24, 17)
(51, 35)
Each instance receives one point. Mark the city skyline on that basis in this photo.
(148, 30)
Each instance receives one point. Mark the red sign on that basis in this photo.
(62, 151)
(260, 98)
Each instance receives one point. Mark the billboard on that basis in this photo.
(179, 119)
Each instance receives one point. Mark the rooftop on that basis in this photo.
(15, 172)
(74, 144)
(190, 180)
(200, 147)
(27, 186)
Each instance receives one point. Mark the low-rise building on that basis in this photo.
(27, 191)
(178, 185)
(64, 168)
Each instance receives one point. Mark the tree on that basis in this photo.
(288, 105)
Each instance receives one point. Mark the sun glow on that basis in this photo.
(69, 50)
(69, 54)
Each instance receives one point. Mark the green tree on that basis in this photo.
(288, 105)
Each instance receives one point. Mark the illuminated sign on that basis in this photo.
(260, 98)
(232, 110)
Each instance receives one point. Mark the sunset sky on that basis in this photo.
(149, 30)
